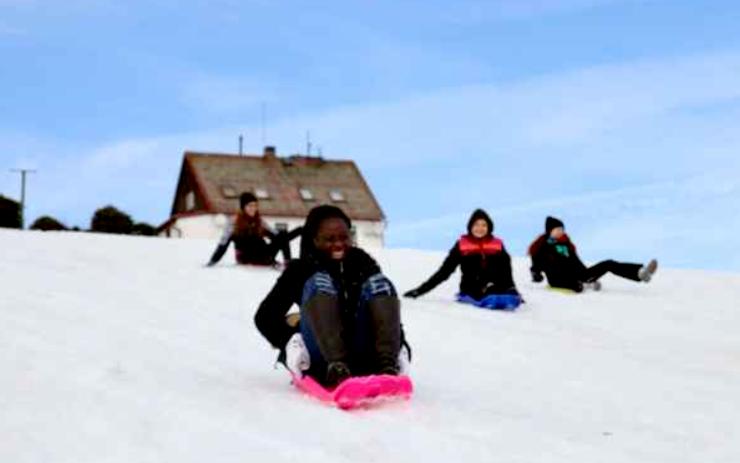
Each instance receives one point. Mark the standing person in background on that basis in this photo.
(483, 261)
(250, 235)
(554, 254)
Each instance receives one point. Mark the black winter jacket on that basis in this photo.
(485, 267)
(559, 260)
(250, 248)
(349, 275)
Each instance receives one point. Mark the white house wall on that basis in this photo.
(368, 234)
(208, 226)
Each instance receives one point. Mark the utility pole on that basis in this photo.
(23, 173)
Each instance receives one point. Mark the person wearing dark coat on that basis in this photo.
(555, 254)
(349, 312)
(484, 263)
(254, 242)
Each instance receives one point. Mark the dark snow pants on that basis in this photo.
(621, 269)
(261, 253)
(360, 339)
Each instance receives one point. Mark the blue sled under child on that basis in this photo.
(509, 302)
(485, 266)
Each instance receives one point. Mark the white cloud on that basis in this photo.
(689, 222)
(484, 11)
(11, 31)
(526, 8)
(553, 112)
(216, 94)
(564, 143)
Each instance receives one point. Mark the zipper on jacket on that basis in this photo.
(342, 280)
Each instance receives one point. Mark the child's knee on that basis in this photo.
(320, 283)
(378, 285)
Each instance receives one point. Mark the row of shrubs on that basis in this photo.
(107, 219)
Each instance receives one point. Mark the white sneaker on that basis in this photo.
(404, 361)
(297, 358)
(646, 272)
(592, 285)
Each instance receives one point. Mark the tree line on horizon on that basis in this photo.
(107, 219)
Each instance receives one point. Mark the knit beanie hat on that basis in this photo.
(246, 198)
(551, 223)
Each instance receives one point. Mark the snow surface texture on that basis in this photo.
(123, 349)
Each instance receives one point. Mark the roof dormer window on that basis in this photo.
(229, 191)
(306, 194)
(337, 196)
(262, 193)
(190, 201)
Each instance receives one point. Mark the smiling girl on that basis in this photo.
(350, 321)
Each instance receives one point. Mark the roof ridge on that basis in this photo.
(208, 173)
(235, 156)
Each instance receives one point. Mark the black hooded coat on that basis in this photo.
(349, 275)
(484, 263)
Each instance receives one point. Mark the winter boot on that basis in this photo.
(385, 313)
(336, 372)
(646, 272)
(325, 320)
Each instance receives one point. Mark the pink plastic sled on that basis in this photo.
(357, 391)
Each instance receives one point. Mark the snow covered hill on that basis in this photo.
(124, 349)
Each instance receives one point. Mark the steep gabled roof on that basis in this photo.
(217, 180)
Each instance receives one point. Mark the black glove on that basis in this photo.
(413, 294)
(537, 277)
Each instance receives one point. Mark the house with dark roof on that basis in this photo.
(209, 186)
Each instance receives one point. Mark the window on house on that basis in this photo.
(280, 226)
(307, 194)
(337, 196)
(262, 193)
(190, 201)
(229, 191)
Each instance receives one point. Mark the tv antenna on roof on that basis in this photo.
(263, 118)
(241, 144)
(308, 143)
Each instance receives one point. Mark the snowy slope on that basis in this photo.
(123, 349)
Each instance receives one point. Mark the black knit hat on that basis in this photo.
(315, 216)
(551, 223)
(246, 198)
(480, 214)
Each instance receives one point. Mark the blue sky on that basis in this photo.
(619, 116)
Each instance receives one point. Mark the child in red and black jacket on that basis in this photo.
(483, 261)
(254, 242)
(554, 254)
